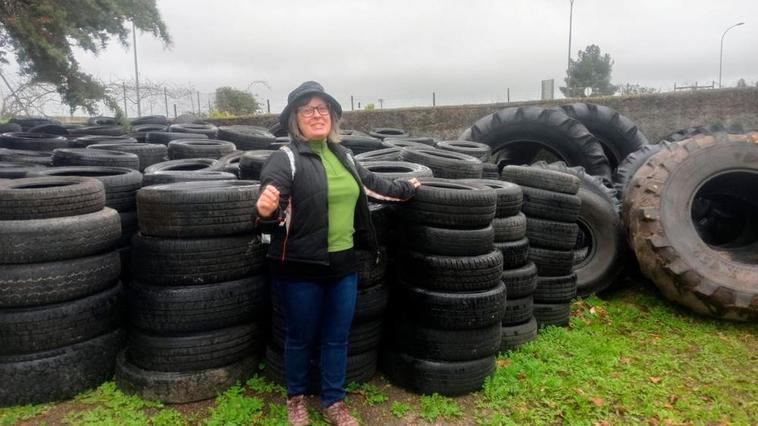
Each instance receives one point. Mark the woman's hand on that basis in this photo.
(268, 201)
(414, 182)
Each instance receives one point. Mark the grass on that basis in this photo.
(630, 359)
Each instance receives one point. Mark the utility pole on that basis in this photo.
(571, 25)
(381, 103)
(123, 86)
(136, 69)
(198, 102)
(434, 99)
(165, 100)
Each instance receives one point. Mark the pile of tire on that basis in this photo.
(121, 186)
(519, 274)
(186, 170)
(552, 208)
(61, 305)
(448, 299)
(692, 219)
(198, 299)
(365, 331)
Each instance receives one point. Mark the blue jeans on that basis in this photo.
(317, 313)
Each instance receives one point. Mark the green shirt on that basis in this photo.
(342, 193)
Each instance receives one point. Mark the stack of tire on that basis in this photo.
(198, 299)
(365, 331)
(447, 299)
(61, 304)
(552, 208)
(186, 170)
(519, 274)
(199, 148)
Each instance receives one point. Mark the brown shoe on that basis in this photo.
(297, 411)
(337, 414)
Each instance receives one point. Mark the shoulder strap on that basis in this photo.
(291, 156)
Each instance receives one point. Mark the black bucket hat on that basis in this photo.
(307, 89)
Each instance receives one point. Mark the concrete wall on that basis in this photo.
(656, 115)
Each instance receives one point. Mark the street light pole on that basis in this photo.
(136, 70)
(721, 51)
(571, 22)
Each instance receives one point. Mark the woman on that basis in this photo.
(314, 207)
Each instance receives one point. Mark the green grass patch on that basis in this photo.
(370, 393)
(399, 409)
(13, 415)
(435, 406)
(234, 408)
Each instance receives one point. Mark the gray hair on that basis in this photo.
(294, 129)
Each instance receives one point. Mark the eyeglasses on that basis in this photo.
(307, 111)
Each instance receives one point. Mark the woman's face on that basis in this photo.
(313, 124)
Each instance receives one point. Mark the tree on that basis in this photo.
(591, 69)
(41, 33)
(741, 84)
(235, 102)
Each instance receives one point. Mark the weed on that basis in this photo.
(435, 405)
(234, 408)
(12, 415)
(370, 393)
(259, 384)
(168, 417)
(399, 409)
(111, 407)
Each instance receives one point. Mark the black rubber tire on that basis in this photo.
(94, 157)
(629, 166)
(105, 130)
(542, 178)
(202, 128)
(601, 251)
(174, 176)
(50, 129)
(515, 253)
(445, 164)
(509, 196)
(520, 282)
(719, 279)
(38, 284)
(181, 387)
(36, 329)
(452, 273)
(448, 242)
(149, 119)
(447, 203)
(187, 261)
(60, 238)
(360, 368)
(197, 209)
(195, 308)
(247, 138)
(551, 234)
(445, 345)
(550, 205)
(251, 163)
(557, 314)
(388, 132)
(361, 144)
(165, 137)
(42, 158)
(129, 227)
(693, 131)
(514, 336)
(552, 263)
(121, 184)
(372, 267)
(618, 135)
(61, 373)
(92, 140)
(555, 289)
(371, 303)
(452, 311)
(17, 169)
(179, 149)
(148, 153)
(186, 165)
(518, 311)
(194, 351)
(32, 141)
(518, 134)
(10, 127)
(405, 144)
(509, 228)
(397, 169)
(386, 154)
(229, 163)
(475, 149)
(490, 171)
(441, 377)
(48, 197)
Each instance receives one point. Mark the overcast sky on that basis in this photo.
(465, 51)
